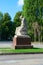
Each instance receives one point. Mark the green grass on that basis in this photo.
(6, 50)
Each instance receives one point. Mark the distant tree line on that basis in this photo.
(33, 12)
(7, 27)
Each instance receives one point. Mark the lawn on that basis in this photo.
(8, 50)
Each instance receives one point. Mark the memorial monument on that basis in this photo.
(21, 38)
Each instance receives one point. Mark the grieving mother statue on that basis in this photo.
(22, 29)
(22, 39)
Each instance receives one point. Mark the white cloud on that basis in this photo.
(20, 2)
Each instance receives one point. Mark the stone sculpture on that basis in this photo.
(22, 29)
(21, 38)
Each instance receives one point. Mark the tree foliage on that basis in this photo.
(7, 31)
(1, 20)
(33, 12)
(17, 19)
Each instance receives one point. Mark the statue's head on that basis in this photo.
(21, 17)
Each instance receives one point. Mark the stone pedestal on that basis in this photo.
(20, 42)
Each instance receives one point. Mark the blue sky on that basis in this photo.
(11, 6)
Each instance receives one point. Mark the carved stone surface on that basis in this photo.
(22, 30)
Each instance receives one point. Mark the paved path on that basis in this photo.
(37, 44)
(6, 44)
(29, 59)
(9, 44)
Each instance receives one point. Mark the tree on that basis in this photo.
(1, 17)
(1, 20)
(33, 11)
(6, 27)
(17, 19)
(6, 17)
(36, 28)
